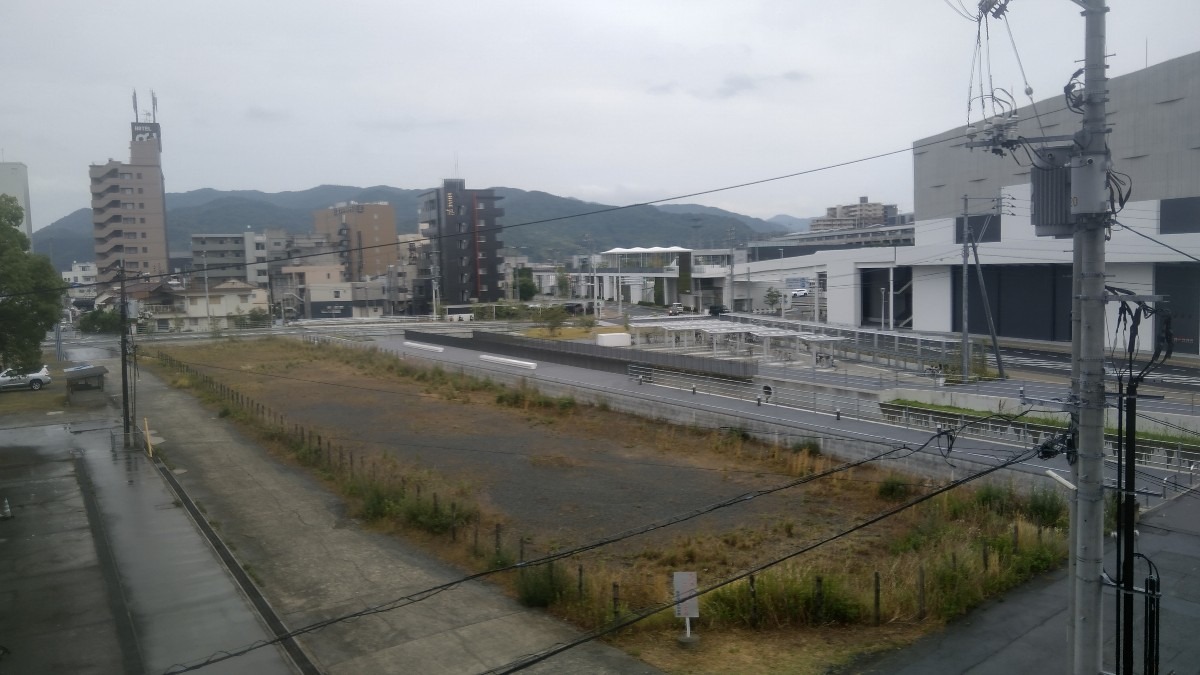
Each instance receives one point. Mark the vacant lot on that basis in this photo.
(555, 475)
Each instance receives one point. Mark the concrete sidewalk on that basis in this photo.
(314, 562)
(101, 571)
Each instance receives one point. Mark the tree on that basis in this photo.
(526, 289)
(30, 292)
(553, 318)
(772, 298)
(100, 321)
(563, 282)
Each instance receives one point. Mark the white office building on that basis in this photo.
(14, 180)
(1155, 116)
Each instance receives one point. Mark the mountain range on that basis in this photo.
(541, 225)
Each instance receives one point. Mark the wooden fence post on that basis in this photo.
(819, 598)
(921, 593)
(753, 603)
(876, 598)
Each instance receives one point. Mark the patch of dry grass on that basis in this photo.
(945, 541)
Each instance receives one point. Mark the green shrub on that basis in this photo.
(540, 586)
(1046, 508)
(893, 489)
(995, 498)
(810, 445)
(782, 598)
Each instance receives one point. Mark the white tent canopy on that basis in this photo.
(652, 249)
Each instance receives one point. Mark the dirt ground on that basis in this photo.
(561, 478)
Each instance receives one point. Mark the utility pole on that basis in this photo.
(1087, 221)
(966, 332)
(207, 306)
(987, 308)
(729, 293)
(124, 358)
(1089, 169)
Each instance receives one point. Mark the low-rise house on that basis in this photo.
(230, 304)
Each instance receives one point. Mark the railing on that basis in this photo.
(1165, 455)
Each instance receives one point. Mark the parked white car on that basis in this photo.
(799, 292)
(15, 379)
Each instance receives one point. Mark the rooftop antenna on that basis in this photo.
(456, 173)
(135, 110)
(153, 106)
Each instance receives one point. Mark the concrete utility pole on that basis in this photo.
(1090, 163)
(207, 306)
(125, 417)
(729, 291)
(966, 331)
(1089, 169)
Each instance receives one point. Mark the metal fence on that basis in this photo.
(1167, 455)
(910, 351)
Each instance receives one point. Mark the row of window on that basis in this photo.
(236, 240)
(128, 176)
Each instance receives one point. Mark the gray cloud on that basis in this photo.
(736, 84)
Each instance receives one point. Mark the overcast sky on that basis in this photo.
(616, 101)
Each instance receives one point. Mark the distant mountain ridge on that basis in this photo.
(541, 225)
(756, 224)
(792, 223)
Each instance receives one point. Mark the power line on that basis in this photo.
(419, 596)
(644, 613)
(1160, 243)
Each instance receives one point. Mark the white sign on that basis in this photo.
(685, 585)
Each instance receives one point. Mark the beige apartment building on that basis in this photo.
(365, 235)
(129, 224)
(863, 214)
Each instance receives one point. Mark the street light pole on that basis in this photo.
(620, 312)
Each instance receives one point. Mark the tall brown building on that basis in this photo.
(365, 235)
(129, 218)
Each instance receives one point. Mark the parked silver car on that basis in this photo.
(15, 379)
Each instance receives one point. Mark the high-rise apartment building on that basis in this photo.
(129, 222)
(365, 235)
(463, 249)
(14, 180)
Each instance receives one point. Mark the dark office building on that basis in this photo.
(461, 260)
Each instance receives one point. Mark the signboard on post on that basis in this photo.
(685, 585)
